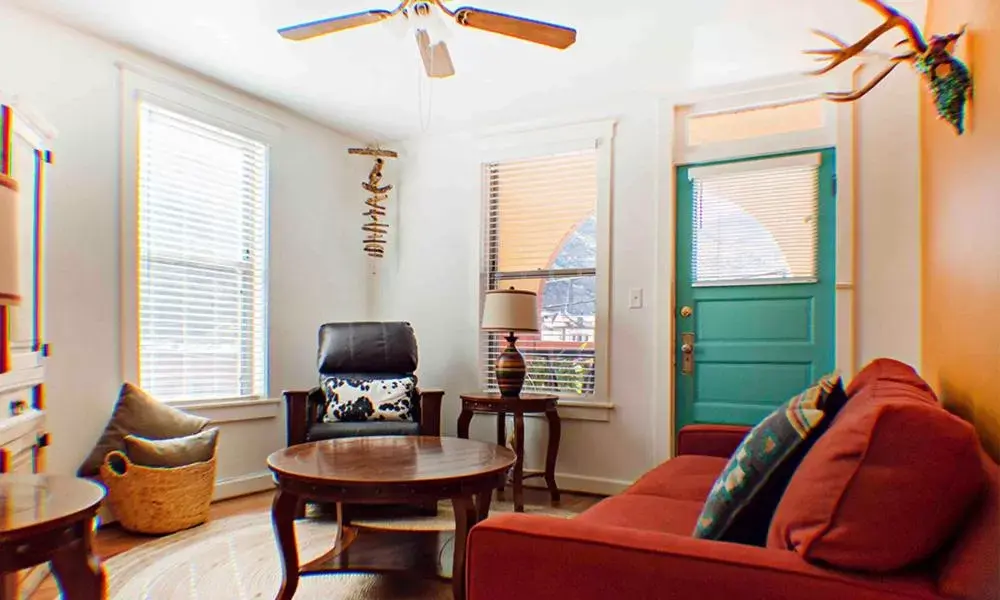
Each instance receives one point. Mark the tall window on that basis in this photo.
(201, 233)
(542, 236)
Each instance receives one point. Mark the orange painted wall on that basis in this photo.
(961, 230)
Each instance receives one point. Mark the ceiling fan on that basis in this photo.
(427, 24)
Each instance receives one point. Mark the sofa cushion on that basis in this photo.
(138, 413)
(884, 488)
(352, 399)
(892, 377)
(331, 431)
(651, 513)
(740, 504)
(687, 477)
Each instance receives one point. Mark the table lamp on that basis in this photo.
(9, 295)
(510, 311)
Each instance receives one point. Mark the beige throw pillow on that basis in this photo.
(138, 413)
(175, 452)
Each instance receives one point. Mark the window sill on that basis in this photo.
(582, 410)
(231, 411)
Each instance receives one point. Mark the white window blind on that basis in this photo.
(756, 221)
(201, 211)
(541, 235)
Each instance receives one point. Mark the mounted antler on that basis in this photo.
(948, 77)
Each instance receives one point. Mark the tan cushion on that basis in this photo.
(174, 452)
(138, 413)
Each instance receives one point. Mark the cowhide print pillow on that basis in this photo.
(368, 399)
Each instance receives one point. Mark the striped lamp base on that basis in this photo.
(510, 369)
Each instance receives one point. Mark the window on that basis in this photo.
(756, 221)
(758, 121)
(202, 203)
(544, 233)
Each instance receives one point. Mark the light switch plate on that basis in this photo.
(635, 298)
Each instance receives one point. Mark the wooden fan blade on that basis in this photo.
(306, 31)
(437, 59)
(529, 30)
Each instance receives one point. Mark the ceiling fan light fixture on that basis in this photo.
(428, 17)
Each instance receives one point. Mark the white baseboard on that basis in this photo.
(590, 485)
(230, 487)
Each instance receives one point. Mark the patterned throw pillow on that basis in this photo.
(773, 442)
(349, 399)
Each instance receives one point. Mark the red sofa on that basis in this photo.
(639, 545)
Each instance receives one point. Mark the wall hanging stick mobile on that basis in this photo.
(376, 228)
(949, 79)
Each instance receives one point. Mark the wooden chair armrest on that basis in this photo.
(300, 411)
(430, 411)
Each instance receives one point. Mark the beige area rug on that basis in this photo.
(237, 559)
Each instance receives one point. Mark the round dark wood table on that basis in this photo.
(546, 404)
(385, 470)
(51, 518)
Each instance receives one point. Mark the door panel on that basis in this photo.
(757, 342)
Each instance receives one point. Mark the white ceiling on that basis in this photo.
(368, 82)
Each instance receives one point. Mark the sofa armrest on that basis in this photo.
(710, 440)
(430, 411)
(531, 557)
(300, 411)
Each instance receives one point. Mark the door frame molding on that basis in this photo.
(841, 135)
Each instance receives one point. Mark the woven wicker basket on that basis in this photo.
(157, 499)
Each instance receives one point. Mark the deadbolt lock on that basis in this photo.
(686, 311)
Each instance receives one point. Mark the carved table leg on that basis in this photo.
(501, 441)
(78, 571)
(283, 511)
(555, 432)
(519, 463)
(483, 502)
(465, 518)
(464, 419)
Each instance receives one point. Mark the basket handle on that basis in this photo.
(118, 464)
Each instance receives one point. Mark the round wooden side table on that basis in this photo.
(520, 406)
(51, 518)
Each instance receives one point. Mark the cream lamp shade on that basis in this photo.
(510, 310)
(8, 242)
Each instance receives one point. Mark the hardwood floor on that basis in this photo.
(112, 540)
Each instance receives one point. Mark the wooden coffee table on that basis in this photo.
(51, 518)
(385, 470)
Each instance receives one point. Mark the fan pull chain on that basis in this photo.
(425, 122)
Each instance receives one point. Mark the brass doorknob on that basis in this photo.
(687, 348)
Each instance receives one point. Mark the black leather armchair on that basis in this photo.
(366, 350)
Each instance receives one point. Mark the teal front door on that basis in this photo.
(756, 245)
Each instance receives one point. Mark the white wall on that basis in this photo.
(888, 219)
(433, 280)
(316, 268)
